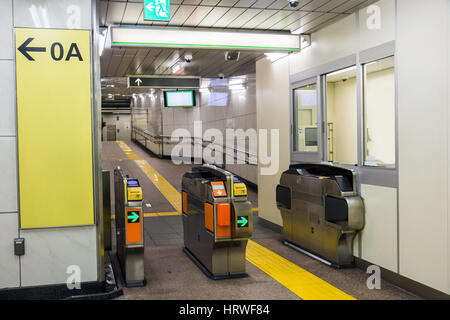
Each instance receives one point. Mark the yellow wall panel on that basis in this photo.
(54, 116)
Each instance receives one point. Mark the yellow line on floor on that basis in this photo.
(128, 151)
(155, 214)
(301, 282)
(161, 214)
(168, 191)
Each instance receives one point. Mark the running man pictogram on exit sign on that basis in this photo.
(158, 10)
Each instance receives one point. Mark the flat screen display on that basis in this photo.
(218, 99)
(311, 137)
(184, 98)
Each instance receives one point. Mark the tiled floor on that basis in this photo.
(171, 274)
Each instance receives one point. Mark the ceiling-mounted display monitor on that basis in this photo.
(218, 99)
(184, 98)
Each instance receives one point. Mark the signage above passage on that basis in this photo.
(201, 39)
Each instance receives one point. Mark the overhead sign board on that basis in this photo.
(204, 39)
(163, 82)
(54, 131)
(157, 10)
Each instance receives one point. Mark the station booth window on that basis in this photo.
(341, 116)
(305, 119)
(326, 121)
(379, 113)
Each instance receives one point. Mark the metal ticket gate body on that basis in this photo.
(321, 211)
(129, 228)
(217, 221)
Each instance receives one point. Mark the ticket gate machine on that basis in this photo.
(321, 210)
(129, 228)
(217, 221)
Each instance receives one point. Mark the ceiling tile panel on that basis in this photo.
(213, 16)
(181, 15)
(132, 13)
(115, 12)
(262, 3)
(228, 17)
(349, 5)
(244, 18)
(244, 3)
(227, 3)
(209, 2)
(192, 2)
(332, 5)
(303, 21)
(197, 16)
(277, 17)
(315, 5)
(258, 19)
(297, 15)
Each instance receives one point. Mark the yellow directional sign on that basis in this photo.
(54, 122)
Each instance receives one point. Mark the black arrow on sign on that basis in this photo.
(24, 49)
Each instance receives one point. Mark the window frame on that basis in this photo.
(303, 156)
(363, 114)
(377, 176)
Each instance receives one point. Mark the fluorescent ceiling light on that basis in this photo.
(236, 81)
(101, 41)
(170, 38)
(176, 68)
(341, 71)
(237, 87)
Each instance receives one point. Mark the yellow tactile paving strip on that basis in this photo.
(301, 282)
(128, 151)
(170, 193)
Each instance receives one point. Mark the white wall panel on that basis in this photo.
(372, 33)
(329, 44)
(8, 174)
(379, 237)
(272, 105)
(7, 92)
(6, 30)
(64, 14)
(9, 263)
(423, 157)
(49, 252)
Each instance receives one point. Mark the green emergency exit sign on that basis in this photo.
(158, 10)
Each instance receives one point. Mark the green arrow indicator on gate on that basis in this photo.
(133, 217)
(242, 221)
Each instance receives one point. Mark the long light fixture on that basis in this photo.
(200, 39)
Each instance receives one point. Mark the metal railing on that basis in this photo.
(239, 155)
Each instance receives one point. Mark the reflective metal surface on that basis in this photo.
(131, 256)
(222, 256)
(321, 210)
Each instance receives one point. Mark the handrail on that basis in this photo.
(159, 139)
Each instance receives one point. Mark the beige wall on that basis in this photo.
(422, 250)
(423, 120)
(341, 106)
(272, 112)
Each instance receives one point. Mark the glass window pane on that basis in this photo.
(342, 124)
(305, 119)
(379, 113)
